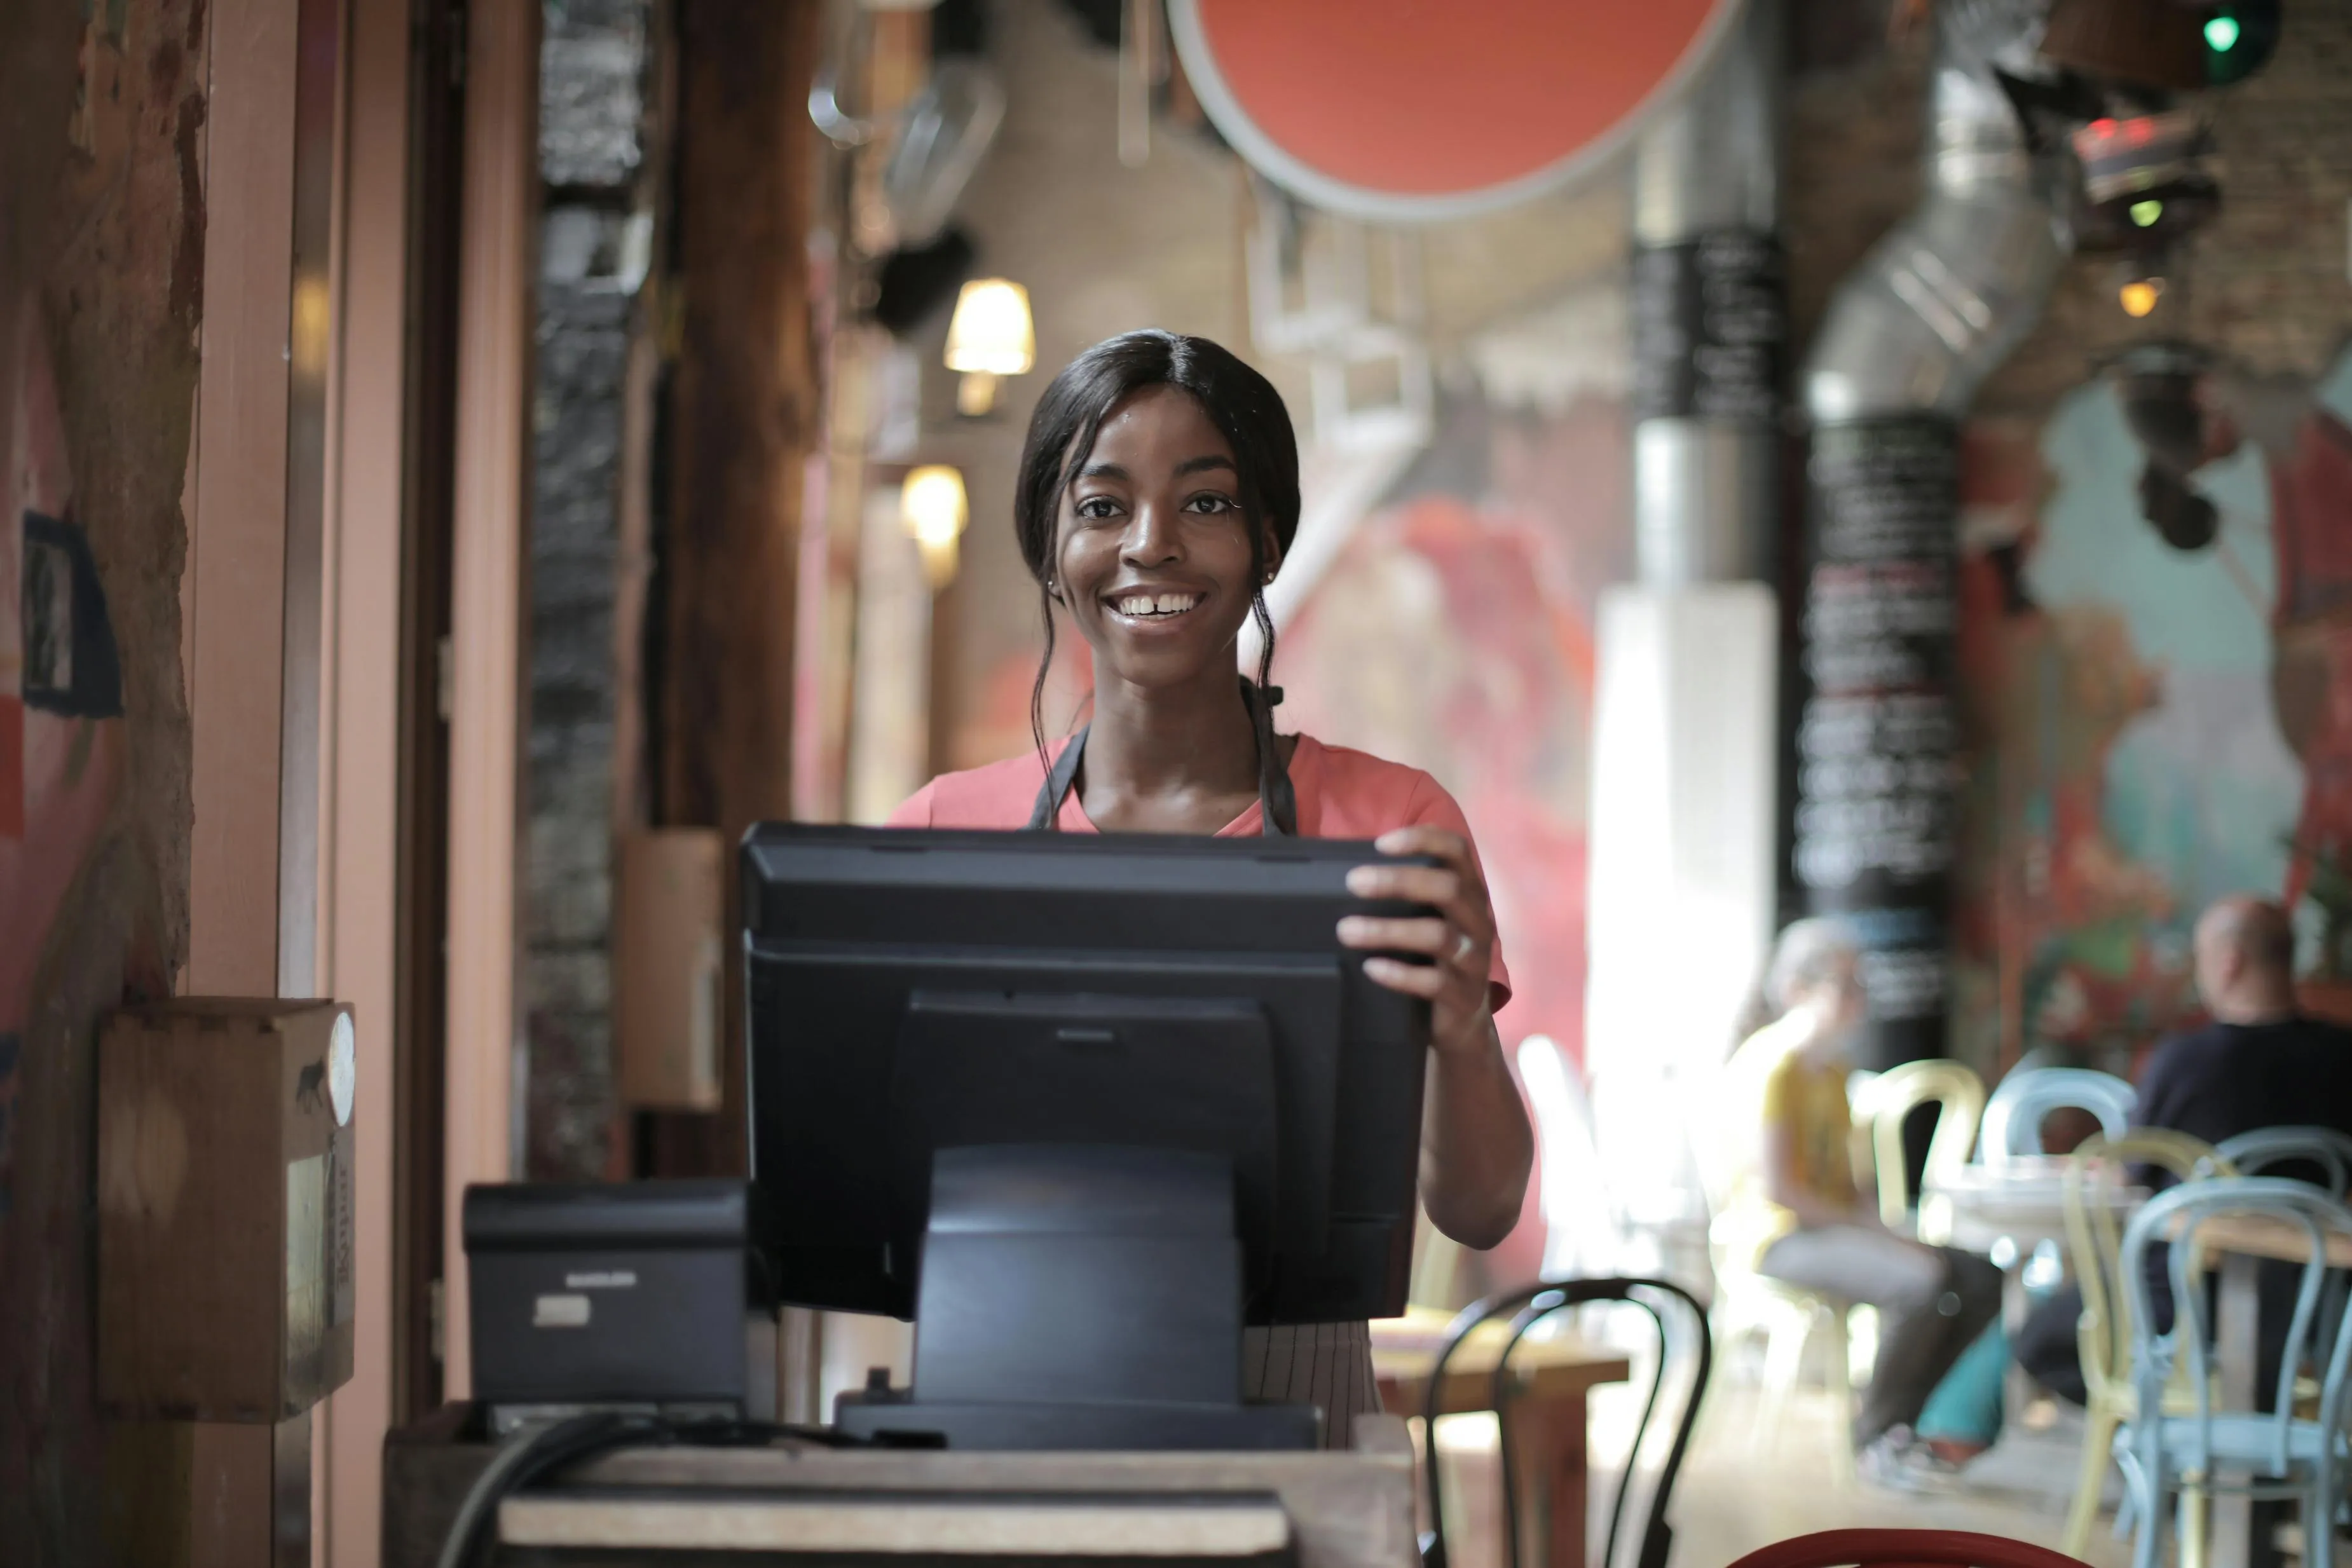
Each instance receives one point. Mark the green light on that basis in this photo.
(2222, 33)
(2145, 213)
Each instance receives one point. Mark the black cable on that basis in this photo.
(520, 1463)
(577, 1437)
(1657, 1537)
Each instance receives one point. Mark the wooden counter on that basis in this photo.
(1318, 1510)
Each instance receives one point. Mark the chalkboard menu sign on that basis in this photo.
(1875, 727)
(1710, 325)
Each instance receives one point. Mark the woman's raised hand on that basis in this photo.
(1459, 939)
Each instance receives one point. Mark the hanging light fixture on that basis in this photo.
(932, 505)
(992, 336)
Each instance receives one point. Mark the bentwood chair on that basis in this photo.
(2278, 1453)
(2323, 1149)
(1906, 1548)
(1529, 1306)
(1885, 1103)
(2013, 1117)
(2100, 1170)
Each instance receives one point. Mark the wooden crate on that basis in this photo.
(224, 1146)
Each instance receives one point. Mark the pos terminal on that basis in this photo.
(1081, 1106)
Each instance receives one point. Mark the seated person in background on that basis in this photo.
(2260, 1063)
(1794, 1211)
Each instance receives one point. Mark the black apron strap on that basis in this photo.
(1046, 815)
(1277, 801)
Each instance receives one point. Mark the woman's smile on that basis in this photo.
(1146, 609)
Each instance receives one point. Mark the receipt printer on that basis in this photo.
(646, 1296)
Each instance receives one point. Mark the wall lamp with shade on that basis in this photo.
(992, 336)
(932, 505)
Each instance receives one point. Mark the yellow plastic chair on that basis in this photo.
(1793, 1317)
(1886, 1102)
(2103, 1334)
(1788, 1316)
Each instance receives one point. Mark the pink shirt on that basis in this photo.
(1343, 794)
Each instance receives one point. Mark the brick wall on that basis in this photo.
(594, 66)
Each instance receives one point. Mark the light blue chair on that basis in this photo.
(2260, 1150)
(2178, 1451)
(2013, 1117)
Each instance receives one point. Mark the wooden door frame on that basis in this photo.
(490, 485)
(436, 152)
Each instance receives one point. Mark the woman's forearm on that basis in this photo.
(1475, 1169)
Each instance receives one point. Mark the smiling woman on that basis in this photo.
(1157, 492)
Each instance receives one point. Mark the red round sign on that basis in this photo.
(1404, 110)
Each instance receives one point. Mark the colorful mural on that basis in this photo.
(1455, 633)
(2149, 727)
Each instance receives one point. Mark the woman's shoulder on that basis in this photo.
(1362, 796)
(999, 795)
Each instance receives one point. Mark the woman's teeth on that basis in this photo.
(1156, 603)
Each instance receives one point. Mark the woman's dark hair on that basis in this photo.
(1241, 404)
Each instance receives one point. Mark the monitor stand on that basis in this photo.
(1080, 1298)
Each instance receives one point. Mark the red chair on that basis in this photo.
(1904, 1548)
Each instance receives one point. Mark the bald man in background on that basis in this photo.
(2260, 1063)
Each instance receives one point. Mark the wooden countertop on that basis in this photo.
(1352, 1510)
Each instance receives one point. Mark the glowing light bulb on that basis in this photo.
(991, 330)
(932, 505)
(2145, 213)
(2222, 33)
(2140, 295)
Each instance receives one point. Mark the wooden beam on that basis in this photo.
(236, 545)
(747, 413)
(358, 884)
(492, 467)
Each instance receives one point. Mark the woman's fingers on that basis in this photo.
(1424, 980)
(1435, 937)
(1458, 976)
(1460, 939)
(1426, 838)
(1460, 899)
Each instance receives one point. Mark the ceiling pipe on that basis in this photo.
(1709, 320)
(1871, 730)
(1944, 296)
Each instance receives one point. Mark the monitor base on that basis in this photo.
(1142, 1428)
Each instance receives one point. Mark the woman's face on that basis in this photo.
(1152, 551)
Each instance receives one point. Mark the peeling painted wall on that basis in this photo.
(102, 262)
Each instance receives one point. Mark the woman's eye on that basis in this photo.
(1210, 503)
(1097, 507)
